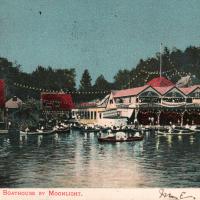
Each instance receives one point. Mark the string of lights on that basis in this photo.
(170, 73)
(61, 91)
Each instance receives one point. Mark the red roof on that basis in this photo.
(129, 92)
(163, 90)
(160, 82)
(2, 93)
(188, 90)
(57, 101)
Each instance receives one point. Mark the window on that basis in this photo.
(81, 114)
(149, 94)
(189, 100)
(95, 114)
(85, 115)
(197, 94)
(91, 115)
(174, 94)
(88, 115)
(111, 101)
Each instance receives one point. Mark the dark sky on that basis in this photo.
(101, 35)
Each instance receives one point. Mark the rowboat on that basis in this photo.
(120, 137)
(175, 131)
(61, 128)
(89, 129)
(38, 132)
(3, 131)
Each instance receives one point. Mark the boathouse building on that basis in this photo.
(158, 102)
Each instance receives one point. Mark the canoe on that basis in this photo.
(175, 131)
(120, 137)
(113, 140)
(39, 132)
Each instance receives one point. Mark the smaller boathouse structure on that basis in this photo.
(56, 105)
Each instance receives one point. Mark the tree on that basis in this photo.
(54, 79)
(85, 82)
(101, 83)
(122, 79)
(65, 79)
(70, 79)
(192, 55)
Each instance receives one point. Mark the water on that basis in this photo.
(79, 160)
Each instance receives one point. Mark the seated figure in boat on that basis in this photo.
(170, 129)
(187, 126)
(110, 134)
(100, 133)
(121, 136)
(27, 130)
(137, 134)
(41, 129)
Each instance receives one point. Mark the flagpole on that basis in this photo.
(160, 60)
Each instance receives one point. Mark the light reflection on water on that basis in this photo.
(79, 160)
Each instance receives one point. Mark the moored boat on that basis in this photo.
(3, 131)
(197, 129)
(175, 131)
(88, 129)
(120, 137)
(37, 132)
(61, 128)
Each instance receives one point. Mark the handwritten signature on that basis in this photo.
(169, 195)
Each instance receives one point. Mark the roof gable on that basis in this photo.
(163, 90)
(111, 102)
(129, 92)
(189, 90)
(150, 89)
(176, 90)
(104, 101)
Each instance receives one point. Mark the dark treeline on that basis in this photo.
(175, 64)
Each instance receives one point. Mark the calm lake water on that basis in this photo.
(79, 160)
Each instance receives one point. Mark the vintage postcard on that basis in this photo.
(99, 99)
